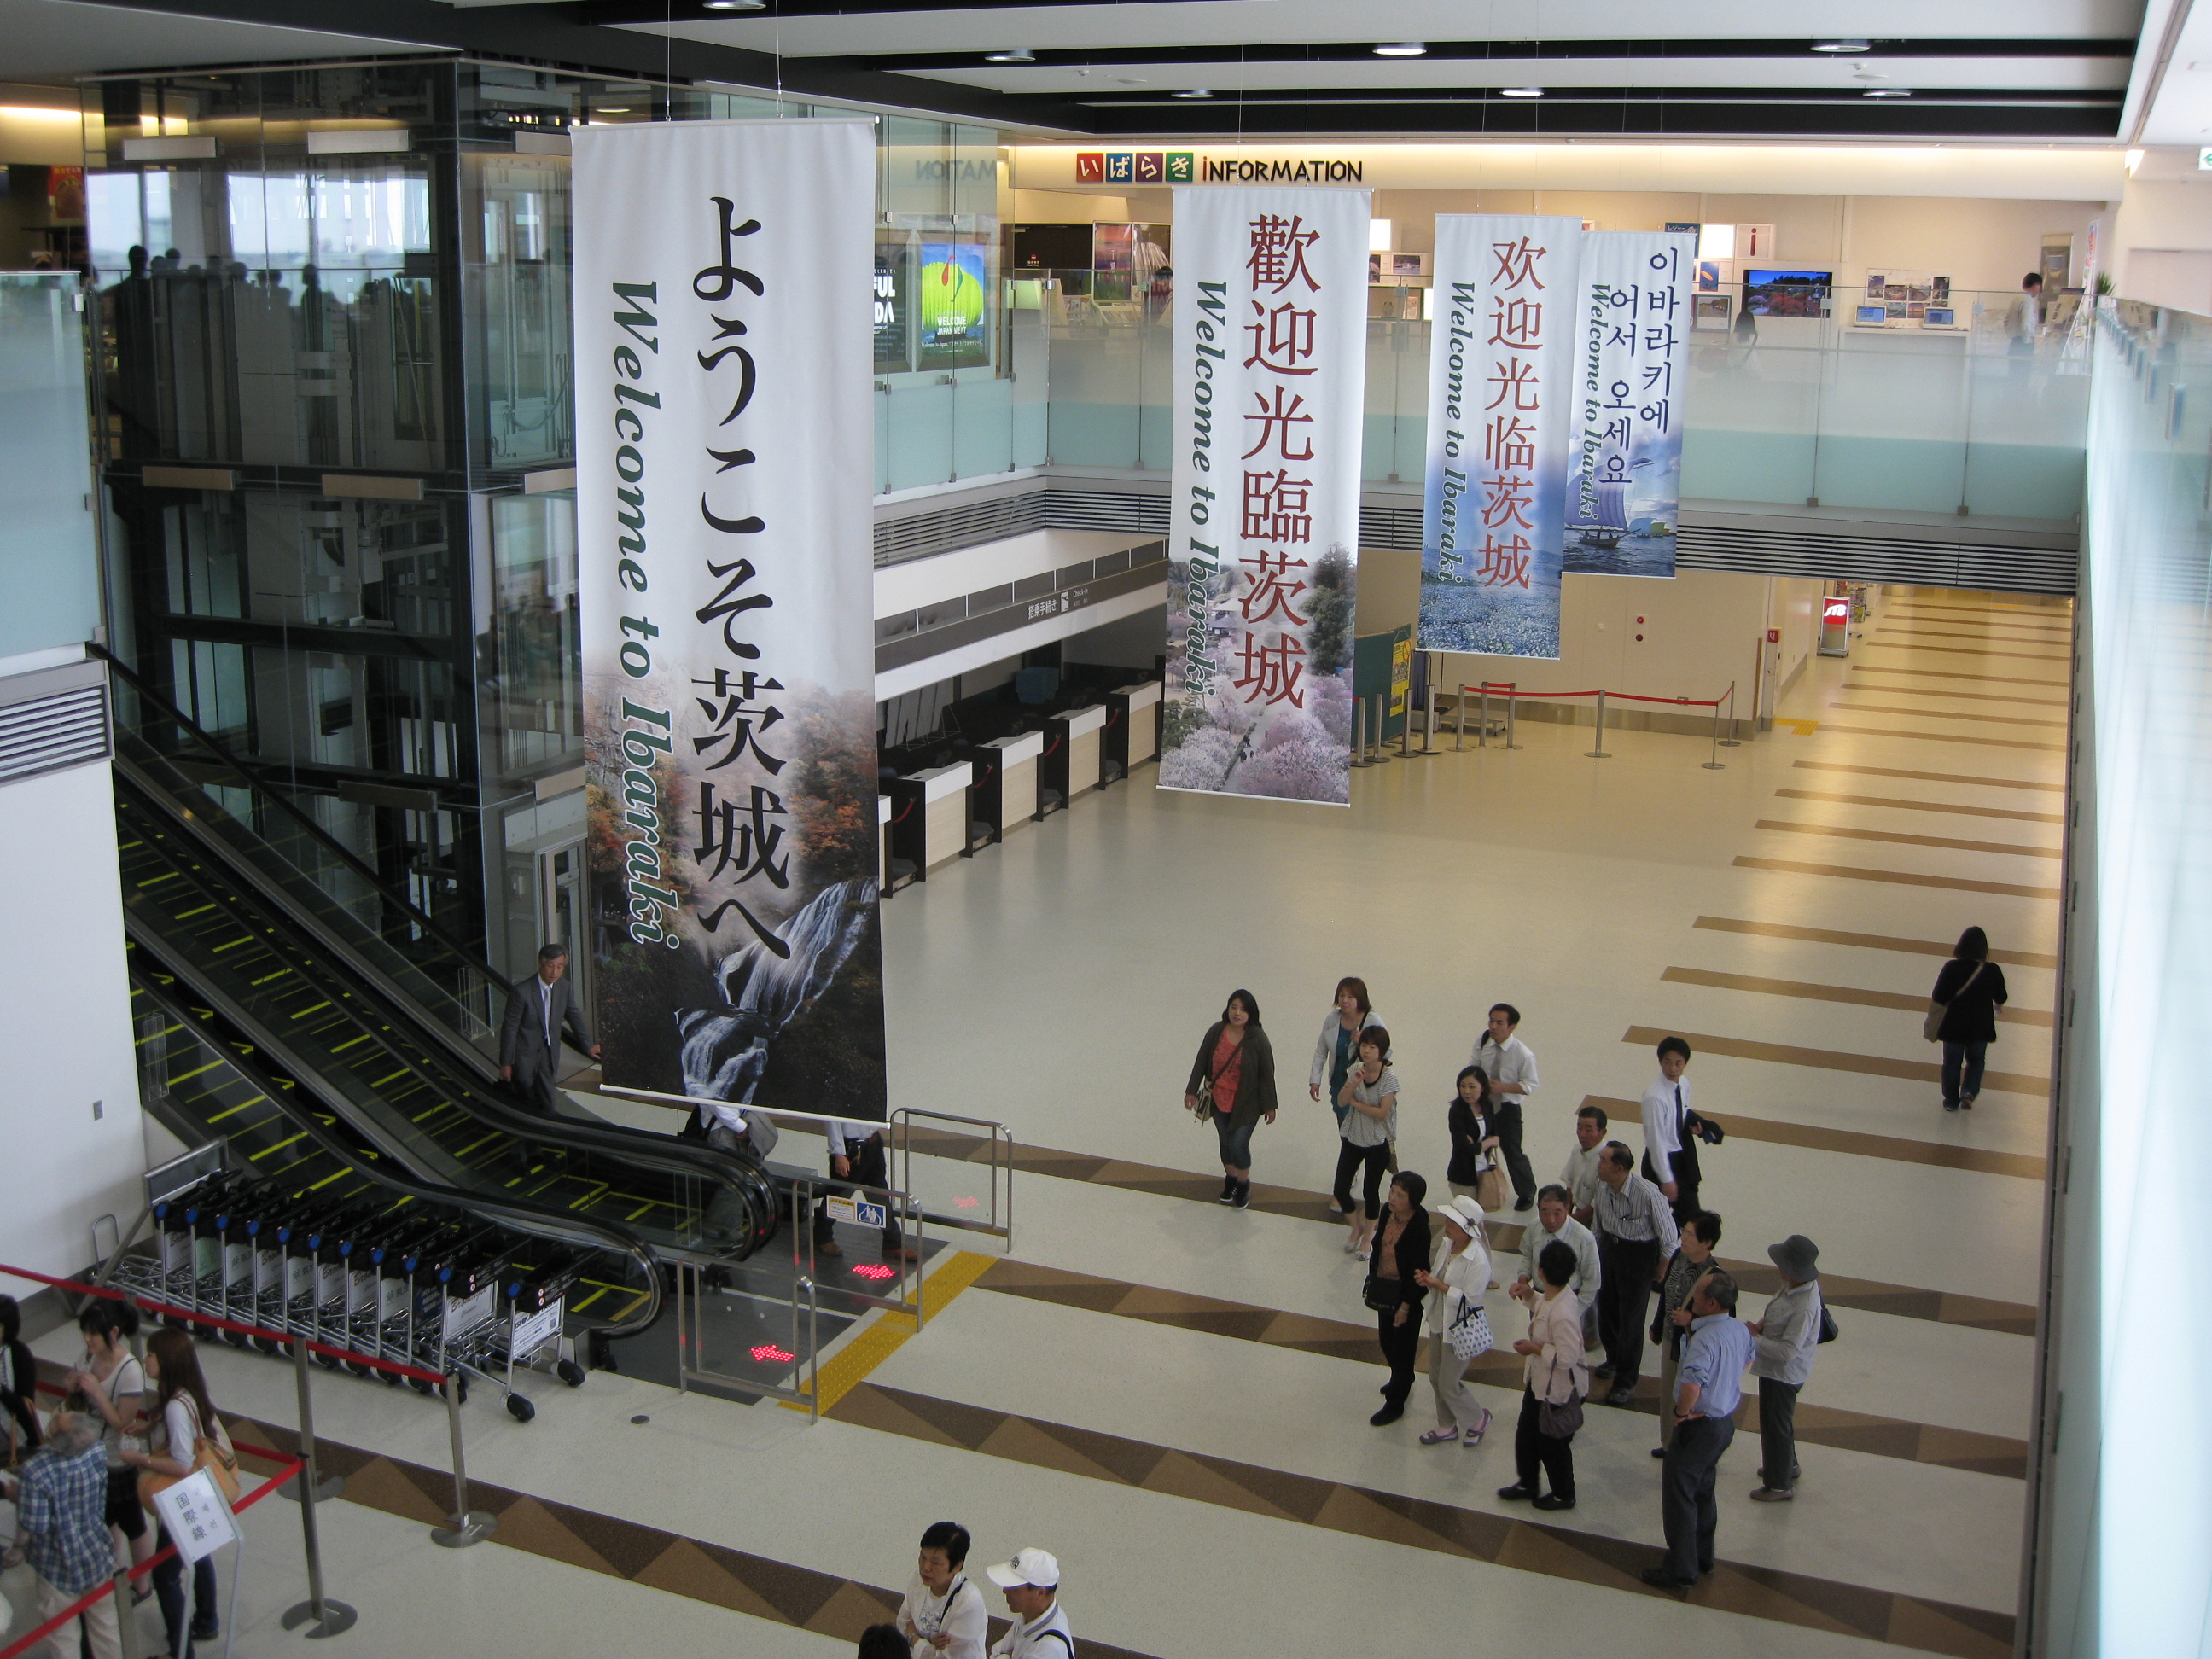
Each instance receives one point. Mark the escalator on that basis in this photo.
(356, 1042)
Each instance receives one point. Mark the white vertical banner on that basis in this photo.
(724, 275)
(1632, 328)
(1269, 361)
(1502, 409)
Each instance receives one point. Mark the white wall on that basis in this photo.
(62, 984)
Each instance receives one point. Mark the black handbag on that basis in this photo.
(1559, 1422)
(1829, 1332)
(1381, 1294)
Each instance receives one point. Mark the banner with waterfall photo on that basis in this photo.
(725, 436)
(1502, 406)
(1269, 360)
(1632, 346)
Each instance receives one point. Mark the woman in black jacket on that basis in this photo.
(1393, 1291)
(1970, 987)
(19, 1383)
(1234, 1077)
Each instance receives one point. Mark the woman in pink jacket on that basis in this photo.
(1555, 1381)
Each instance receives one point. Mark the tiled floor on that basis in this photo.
(1172, 1396)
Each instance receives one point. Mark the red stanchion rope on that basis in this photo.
(1624, 697)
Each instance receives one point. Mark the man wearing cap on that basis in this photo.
(1785, 1337)
(1031, 1583)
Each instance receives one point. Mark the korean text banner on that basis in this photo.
(1632, 342)
(723, 357)
(1269, 359)
(1501, 426)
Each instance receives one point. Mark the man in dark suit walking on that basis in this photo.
(530, 1036)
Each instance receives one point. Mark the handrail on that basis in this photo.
(330, 843)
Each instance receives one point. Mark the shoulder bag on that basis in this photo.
(1932, 1027)
(1559, 1422)
(1203, 1112)
(212, 1454)
(1492, 1190)
(1470, 1331)
(1829, 1329)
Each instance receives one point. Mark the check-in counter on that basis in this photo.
(1070, 762)
(929, 819)
(1133, 726)
(1006, 781)
(887, 878)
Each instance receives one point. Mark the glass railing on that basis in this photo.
(1973, 419)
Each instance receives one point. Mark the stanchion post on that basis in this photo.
(1599, 752)
(1359, 732)
(325, 1617)
(1429, 722)
(1730, 742)
(1512, 712)
(1715, 763)
(1461, 747)
(470, 1526)
(1482, 730)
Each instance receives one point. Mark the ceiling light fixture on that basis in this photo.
(1841, 45)
(1013, 55)
(1195, 92)
(735, 5)
(612, 109)
(1886, 92)
(1401, 49)
(1520, 92)
(1131, 80)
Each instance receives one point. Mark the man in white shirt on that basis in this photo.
(1552, 1222)
(943, 1615)
(1579, 1174)
(1511, 1068)
(857, 1153)
(1031, 1583)
(1670, 1132)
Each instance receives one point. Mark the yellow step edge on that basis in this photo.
(852, 1363)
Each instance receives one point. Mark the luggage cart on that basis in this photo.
(537, 1300)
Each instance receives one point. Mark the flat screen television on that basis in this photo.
(1874, 316)
(1771, 291)
(1939, 317)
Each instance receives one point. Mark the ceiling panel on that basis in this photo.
(54, 39)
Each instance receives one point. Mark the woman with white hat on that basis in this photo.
(1459, 1273)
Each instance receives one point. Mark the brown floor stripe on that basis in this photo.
(1902, 806)
(1835, 1060)
(1955, 696)
(1899, 878)
(1783, 1598)
(1939, 737)
(1977, 1160)
(1926, 777)
(1955, 651)
(2011, 849)
(1881, 1436)
(2016, 636)
(1919, 947)
(1943, 674)
(1904, 1300)
(1944, 714)
(754, 1584)
(1904, 1002)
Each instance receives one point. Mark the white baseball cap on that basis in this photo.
(1031, 1567)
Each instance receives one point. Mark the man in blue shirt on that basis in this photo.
(61, 1503)
(1707, 1388)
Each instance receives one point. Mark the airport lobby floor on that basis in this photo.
(1172, 1396)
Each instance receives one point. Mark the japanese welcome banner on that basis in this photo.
(724, 275)
(1501, 416)
(1633, 333)
(1269, 361)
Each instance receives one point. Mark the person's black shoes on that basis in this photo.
(1660, 1578)
(1552, 1500)
(1391, 1411)
(1658, 1451)
(1243, 1196)
(1621, 1396)
(1228, 1189)
(1524, 1204)
(1602, 1372)
(1517, 1492)
(827, 1247)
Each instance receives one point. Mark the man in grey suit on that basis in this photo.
(530, 1035)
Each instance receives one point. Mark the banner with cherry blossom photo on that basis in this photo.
(1632, 366)
(724, 353)
(1270, 354)
(1502, 420)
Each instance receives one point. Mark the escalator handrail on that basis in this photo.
(276, 798)
(556, 1224)
(744, 1179)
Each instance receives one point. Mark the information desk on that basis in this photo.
(929, 820)
(1132, 731)
(1070, 762)
(1006, 781)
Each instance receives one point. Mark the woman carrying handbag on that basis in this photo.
(191, 1438)
(1392, 1290)
(1962, 1016)
(1458, 1328)
(1232, 1084)
(1554, 1383)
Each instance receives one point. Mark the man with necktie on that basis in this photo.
(540, 1008)
(1670, 1132)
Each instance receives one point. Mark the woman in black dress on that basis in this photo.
(1970, 987)
(1393, 1289)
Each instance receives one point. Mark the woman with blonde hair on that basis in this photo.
(183, 1416)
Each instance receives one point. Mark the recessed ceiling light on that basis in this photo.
(1401, 49)
(1868, 75)
(612, 109)
(1131, 80)
(1841, 45)
(1520, 92)
(1195, 92)
(1886, 92)
(1013, 55)
(735, 5)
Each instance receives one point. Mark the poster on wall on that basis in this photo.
(1631, 334)
(723, 351)
(1270, 344)
(1502, 407)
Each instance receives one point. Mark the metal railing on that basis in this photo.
(1512, 693)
